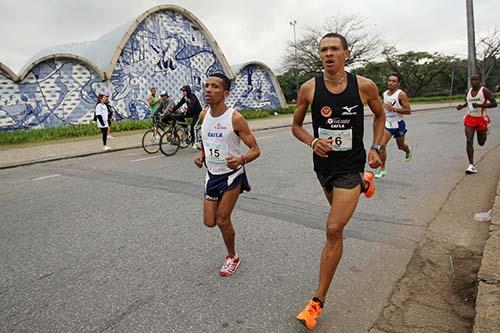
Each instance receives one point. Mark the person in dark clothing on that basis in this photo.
(165, 113)
(101, 117)
(193, 107)
(110, 116)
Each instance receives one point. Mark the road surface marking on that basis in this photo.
(144, 159)
(47, 177)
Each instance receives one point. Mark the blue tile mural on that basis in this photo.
(166, 50)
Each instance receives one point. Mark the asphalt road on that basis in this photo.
(116, 242)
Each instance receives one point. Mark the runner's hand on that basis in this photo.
(233, 162)
(389, 107)
(460, 107)
(374, 160)
(198, 161)
(323, 147)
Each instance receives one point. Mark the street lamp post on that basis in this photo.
(471, 45)
(293, 23)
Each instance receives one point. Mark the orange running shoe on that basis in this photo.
(369, 188)
(308, 316)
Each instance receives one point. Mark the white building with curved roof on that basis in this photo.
(166, 47)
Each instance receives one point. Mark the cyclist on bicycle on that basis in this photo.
(163, 113)
(193, 107)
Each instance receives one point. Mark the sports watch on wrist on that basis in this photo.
(377, 148)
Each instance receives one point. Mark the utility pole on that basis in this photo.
(293, 24)
(471, 42)
(452, 79)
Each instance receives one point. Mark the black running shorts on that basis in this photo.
(346, 181)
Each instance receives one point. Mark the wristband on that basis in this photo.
(313, 143)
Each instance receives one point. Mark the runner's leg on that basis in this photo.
(469, 135)
(385, 140)
(481, 137)
(344, 202)
(210, 212)
(402, 145)
(223, 218)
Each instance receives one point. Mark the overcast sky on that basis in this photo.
(245, 30)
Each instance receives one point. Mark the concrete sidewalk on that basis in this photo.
(488, 299)
(85, 146)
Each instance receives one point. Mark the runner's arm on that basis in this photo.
(300, 113)
(461, 106)
(488, 97)
(369, 94)
(405, 103)
(201, 154)
(241, 128)
(305, 96)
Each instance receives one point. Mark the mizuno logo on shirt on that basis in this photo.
(348, 110)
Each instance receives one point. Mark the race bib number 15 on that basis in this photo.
(341, 139)
(216, 153)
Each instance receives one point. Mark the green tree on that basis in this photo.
(377, 72)
(363, 43)
(488, 54)
(419, 70)
(288, 85)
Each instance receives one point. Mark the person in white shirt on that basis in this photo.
(396, 105)
(477, 101)
(101, 117)
(222, 130)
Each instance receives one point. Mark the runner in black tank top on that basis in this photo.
(342, 114)
(337, 99)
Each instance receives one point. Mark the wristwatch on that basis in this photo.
(377, 148)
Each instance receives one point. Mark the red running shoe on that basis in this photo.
(230, 265)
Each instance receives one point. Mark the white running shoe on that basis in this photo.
(106, 148)
(470, 169)
(230, 265)
(111, 137)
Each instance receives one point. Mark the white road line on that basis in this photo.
(47, 177)
(132, 154)
(144, 159)
(265, 137)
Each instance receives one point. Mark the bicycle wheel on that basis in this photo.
(183, 138)
(169, 143)
(151, 141)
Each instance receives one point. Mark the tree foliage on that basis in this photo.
(364, 44)
(488, 54)
(418, 69)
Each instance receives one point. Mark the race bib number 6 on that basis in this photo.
(215, 152)
(341, 139)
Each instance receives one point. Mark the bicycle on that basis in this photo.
(184, 134)
(169, 140)
(151, 138)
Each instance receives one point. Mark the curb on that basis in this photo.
(487, 318)
(67, 157)
(60, 158)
